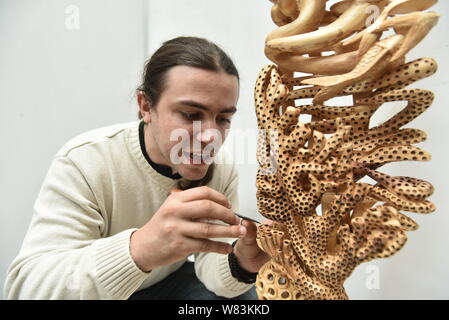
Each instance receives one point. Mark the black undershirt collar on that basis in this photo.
(162, 169)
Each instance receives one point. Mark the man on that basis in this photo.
(107, 224)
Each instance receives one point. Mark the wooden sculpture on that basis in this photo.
(308, 166)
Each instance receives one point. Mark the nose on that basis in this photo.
(205, 132)
(207, 135)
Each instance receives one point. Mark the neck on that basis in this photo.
(153, 150)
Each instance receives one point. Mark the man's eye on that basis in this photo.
(190, 116)
(224, 120)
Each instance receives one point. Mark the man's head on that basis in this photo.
(189, 86)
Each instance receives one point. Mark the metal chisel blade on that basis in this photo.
(246, 218)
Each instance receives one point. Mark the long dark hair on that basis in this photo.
(183, 51)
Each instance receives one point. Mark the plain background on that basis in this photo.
(57, 82)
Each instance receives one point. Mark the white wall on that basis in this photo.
(56, 83)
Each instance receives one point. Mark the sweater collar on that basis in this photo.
(161, 181)
(161, 169)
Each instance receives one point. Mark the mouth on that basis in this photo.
(197, 158)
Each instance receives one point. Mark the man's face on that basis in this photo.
(198, 104)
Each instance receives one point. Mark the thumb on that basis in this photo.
(251, 232)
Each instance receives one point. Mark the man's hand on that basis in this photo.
(178, 228)
(249, 255)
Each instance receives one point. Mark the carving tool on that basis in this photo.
(246, 218)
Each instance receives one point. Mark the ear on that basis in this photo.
(144, 107)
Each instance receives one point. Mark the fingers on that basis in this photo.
(203, 193)
(207, 210)
(204, 245)
(208, 230)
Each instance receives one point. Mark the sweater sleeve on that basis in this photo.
(63, 255)
(213, 268)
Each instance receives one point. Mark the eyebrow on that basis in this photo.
(198, 105)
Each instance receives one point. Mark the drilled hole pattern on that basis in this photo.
(305, 165)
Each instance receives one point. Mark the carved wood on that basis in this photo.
(327, 221)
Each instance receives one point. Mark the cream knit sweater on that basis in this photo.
(98, 190)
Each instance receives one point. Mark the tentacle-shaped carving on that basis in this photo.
(308, 41)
